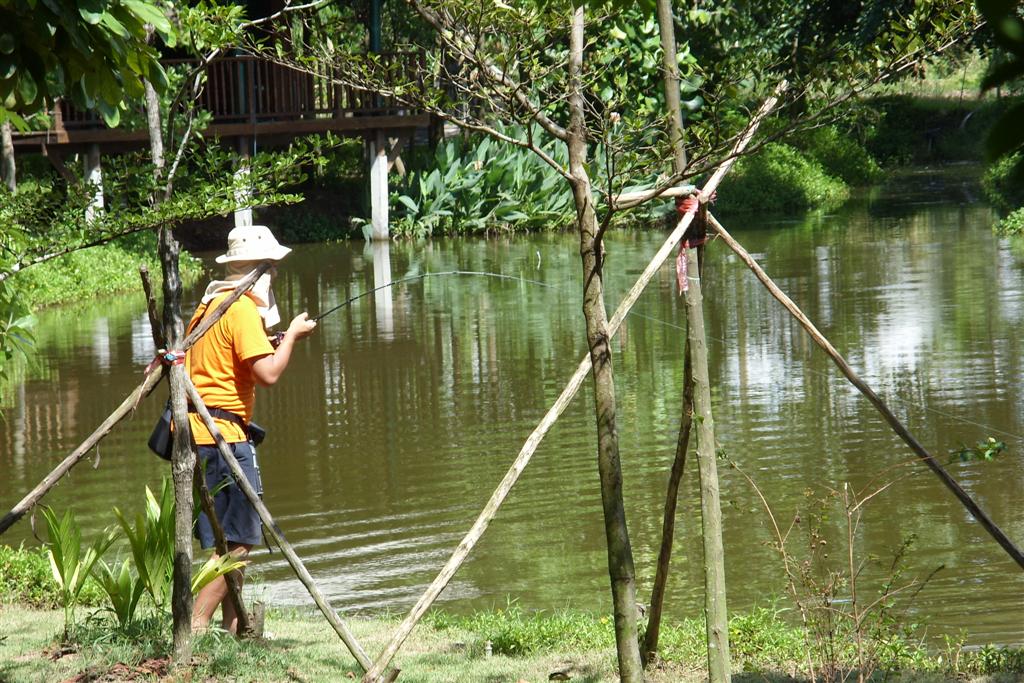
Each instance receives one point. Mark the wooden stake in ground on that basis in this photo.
(621, 571)
(717, 624)
(490, 510)
(875, 400)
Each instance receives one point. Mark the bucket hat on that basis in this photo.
(253, 243)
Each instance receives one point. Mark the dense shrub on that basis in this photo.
(999, 189)
(840, 154)
(1013, 224)
(478, 185)
(99, 270)
(780, 178)
(918, 130)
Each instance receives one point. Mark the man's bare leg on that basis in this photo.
(213, 594)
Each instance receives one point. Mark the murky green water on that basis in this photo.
(397, 419)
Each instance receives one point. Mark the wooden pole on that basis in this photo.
(471, 538)
(275, 532)
(155, 328)
(126, 408)
(716, 617)
(668, 522)
(875, 400)
(9, 166)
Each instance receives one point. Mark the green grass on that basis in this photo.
(529, 646)
(26, 579)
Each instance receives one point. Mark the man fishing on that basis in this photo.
(225, 365)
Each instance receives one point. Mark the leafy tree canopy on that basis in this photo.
(96, 52)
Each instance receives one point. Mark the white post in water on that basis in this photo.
(383, 301)
(93, 180)
(243, 191)
(379, 187)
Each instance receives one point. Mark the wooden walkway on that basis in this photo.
(248, 97)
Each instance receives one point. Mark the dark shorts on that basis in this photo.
(237, 516)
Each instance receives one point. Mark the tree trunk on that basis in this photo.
(183, 456)
(711, 512)
(620, 555)
(9, 167)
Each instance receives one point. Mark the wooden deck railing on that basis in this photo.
(248, 89)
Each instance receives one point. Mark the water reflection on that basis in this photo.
(401, 414)
(382, 298)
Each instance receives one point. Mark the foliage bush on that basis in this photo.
(62, 575)
(107, 269)
(1013, 224)
(477, 185)
(303, 224)
(840, 154)
(780, 178)
(999, 188)
(918, 130)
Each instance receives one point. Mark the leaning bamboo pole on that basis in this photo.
(126, 408)
(475, 532)
(275, 532)
(874, 398)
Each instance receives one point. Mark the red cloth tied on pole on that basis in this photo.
(685, 205)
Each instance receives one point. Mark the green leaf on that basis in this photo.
(7, 43)
(8, 67)
(149, 14)
(27, 88)
(92, 10)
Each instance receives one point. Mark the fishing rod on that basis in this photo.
(422, 276)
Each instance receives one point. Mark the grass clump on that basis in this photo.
(1012, 224)
(840, 155)
(517, 633)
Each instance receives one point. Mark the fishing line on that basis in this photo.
(422, 276)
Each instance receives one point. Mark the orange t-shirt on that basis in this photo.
(219, 366)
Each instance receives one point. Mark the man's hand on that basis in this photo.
(301, 326)
(267, 369)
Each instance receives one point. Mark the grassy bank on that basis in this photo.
(108, 269)
(300, 646)
(507, 644)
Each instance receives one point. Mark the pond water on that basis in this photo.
(397, 419)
